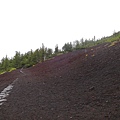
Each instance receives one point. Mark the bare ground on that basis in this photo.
(81, 85)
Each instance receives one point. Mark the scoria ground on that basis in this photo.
(80, 85)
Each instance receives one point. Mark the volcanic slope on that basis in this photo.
(80, 85)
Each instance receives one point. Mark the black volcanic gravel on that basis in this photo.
(80, 85)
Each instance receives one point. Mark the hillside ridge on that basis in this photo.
(82, 84)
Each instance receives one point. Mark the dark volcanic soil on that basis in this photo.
(81, 85)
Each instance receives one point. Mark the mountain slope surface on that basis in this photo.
(80, 85)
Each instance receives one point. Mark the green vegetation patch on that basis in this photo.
(12, 69)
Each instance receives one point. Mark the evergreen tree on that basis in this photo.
(42, 53)
(17, 60)
(56, 49)
(49, 53)
(77, 44)
(82, 42)
(67, 47)
(5, 64)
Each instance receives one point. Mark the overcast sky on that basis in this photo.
(26, 24)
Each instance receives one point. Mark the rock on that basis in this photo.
(91, 88)
(71, 117)
(106, 101)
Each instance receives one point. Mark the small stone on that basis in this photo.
(106, 116)
(52, 109)
(71, 117)
(91, 88)
(117, 88)
(106, 101)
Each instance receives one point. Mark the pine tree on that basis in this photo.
(56, 49)
(49, 53)
(42, 53)
(17, 60)
(5, 64)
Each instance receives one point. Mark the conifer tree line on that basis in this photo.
(43, 53)
(25, 60)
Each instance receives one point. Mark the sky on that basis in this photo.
(26, 24)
